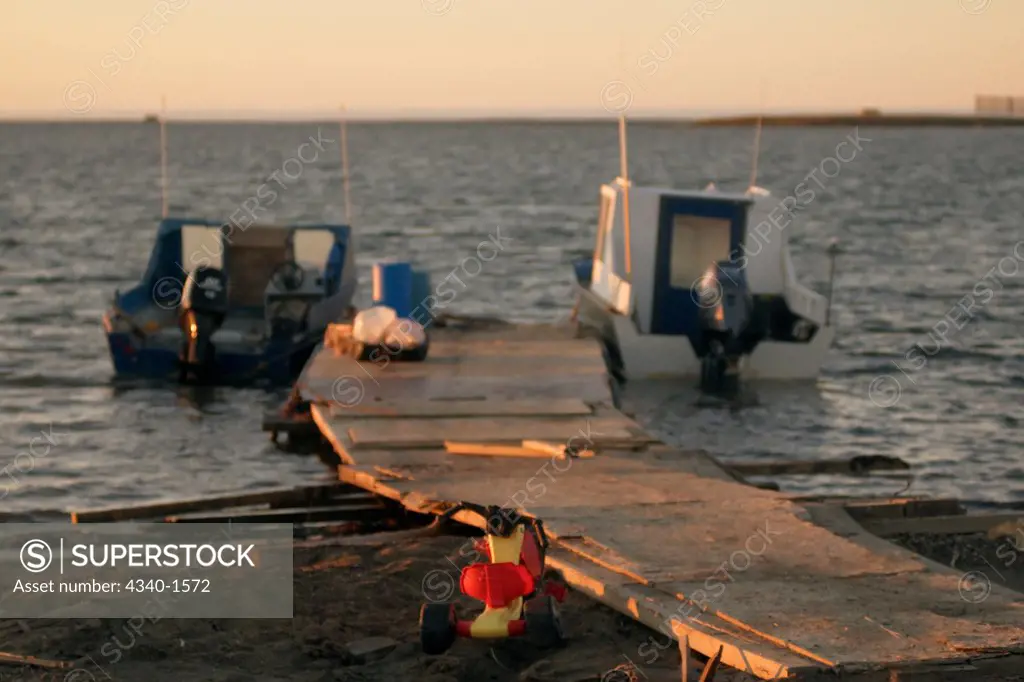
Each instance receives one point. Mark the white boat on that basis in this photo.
(657, 302)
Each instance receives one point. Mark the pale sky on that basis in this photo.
(102, 58)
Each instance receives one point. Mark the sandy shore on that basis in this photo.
(347, 594)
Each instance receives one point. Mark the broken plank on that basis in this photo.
(712, 667)
(553, 449)
(560, 450)
(922, 612)
(855, 465)
(292, 496)
(962, 524)
(424, 433)
(981, 668)
(465, 408)
(884, 507)
(668, 615)
(347, 512)
(865, 510)
(35, 662)
(377, 539)
(491, 450)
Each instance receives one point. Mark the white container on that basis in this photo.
(371, 324)
(405, 334)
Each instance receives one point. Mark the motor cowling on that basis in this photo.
(204, 305)
(729, 328)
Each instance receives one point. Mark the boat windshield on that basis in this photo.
(251, 256)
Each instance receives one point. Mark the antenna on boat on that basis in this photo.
(757, 153)
(163, 154)
(757, 138)
(833, 251)
(344, 165)
(624, 178)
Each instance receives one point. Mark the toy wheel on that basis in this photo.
(543, 622)
(437, 628)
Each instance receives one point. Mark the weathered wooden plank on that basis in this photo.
(961, 524)
(708, 674)
(660, 518)
(667, 615)
(855, 465)
(984, 668)
(389, 386)
(490, 450)
(698, 462)
(676, 541)
(291, 496)
(881, 617)
(473, 364)
(469, 369)
(370, 478)
(338, 438)
(873, 512)
(424, 433)
(464, 408)
(34, 661)
(589, 550)
(556, 449)
(886, 507)
(344, 512)
(583, 488)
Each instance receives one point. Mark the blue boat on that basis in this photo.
(230, 305)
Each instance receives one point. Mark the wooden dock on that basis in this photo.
(787, 589)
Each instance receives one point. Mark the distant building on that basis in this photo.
(998, 105)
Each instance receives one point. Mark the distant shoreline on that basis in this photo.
(879, 120)
(744, 121)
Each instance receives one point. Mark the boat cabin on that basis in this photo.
(250, 259)
(675, 236)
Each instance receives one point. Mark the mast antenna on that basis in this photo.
(757, 152)
(344, 165)
(757, 137)
(163, 155)
(624, 178)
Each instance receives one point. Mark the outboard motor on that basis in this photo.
(729, 328)
(204, 305)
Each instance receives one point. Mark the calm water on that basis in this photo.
(924, 217)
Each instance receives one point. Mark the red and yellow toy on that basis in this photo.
(518, 594)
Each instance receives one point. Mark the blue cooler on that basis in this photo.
(392, 286)
(421, 293)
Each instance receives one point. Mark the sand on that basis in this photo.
(347, 594)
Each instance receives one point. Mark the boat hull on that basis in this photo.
(654, 356)
(136, 357)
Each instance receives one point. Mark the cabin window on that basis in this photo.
(201, 247)
(312, 247)
(697, 242)
(603, 226)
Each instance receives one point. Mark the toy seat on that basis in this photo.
(496, 585)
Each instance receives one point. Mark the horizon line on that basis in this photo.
(425, 116)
